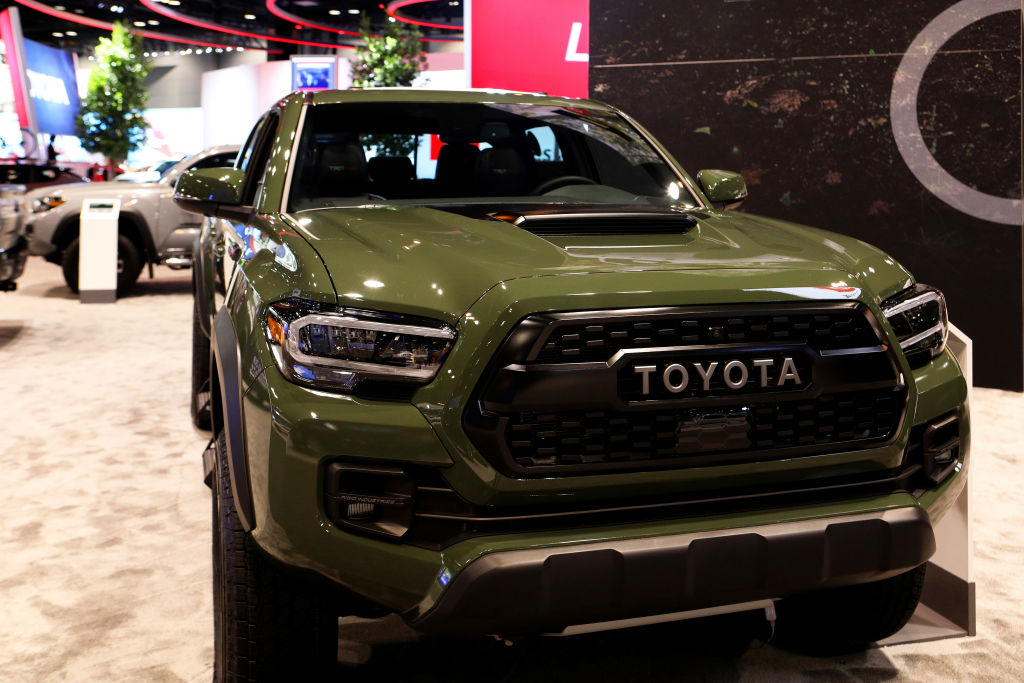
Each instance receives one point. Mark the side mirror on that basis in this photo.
(725, 189)
(213, 192)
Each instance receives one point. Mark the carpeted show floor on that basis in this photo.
(104, 531)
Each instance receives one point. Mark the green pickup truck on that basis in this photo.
(496, 363)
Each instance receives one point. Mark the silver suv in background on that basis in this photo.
(151, 229)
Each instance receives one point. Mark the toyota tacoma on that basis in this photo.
(495, 362)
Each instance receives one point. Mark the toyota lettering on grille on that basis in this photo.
(735, 374)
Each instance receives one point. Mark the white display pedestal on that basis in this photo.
(947, 604)
(97, 251)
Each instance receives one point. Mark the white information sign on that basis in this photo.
(97, 251)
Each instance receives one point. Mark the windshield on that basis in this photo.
(151, 174)
(415, 153)
(164, 166)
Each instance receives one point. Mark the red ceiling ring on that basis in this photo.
(107, 26)
(393, 7)
(300, 21)
(296, 19)
(192, 21)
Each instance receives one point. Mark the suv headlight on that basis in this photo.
(918, 317)
(50, 201)
(328, 348)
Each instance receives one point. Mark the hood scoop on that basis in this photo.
(550, 219)
(600, 221)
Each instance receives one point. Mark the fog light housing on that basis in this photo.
(940, 447)
(371, 499)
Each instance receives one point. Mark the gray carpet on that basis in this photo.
(104, 530)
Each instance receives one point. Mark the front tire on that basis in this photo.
(850, 618)
(267, 625)
(129, 265)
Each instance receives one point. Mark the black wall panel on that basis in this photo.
(798, 96)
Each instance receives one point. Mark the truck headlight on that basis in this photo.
(919, 319)
(335, 349)
(50, 201)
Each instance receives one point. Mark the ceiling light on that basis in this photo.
(250, 17)
(71, 33)
(391, 18)
(334, 12)
(152, 22)
(141, 24)
(353, 11)
(60, 7)
(57, 34)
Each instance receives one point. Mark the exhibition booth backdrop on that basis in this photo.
(900, 125)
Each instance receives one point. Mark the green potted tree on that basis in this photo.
(111, 120)
(392, 59)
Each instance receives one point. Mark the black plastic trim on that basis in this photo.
(224, 345)
(549, 589)
(204, 299)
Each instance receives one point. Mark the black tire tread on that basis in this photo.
(126, 251)
(270, 627)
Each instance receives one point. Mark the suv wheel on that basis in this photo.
(841, 620)
(200, 403)
(129, 265)
(267, 625)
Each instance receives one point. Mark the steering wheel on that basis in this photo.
(561, 180)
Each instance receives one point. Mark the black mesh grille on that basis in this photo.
(598, 341)
(805, 379)
(574, 438)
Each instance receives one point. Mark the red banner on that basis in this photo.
(532, 45)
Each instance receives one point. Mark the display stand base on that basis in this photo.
(97, 296)
(946, 610)
(925, 625)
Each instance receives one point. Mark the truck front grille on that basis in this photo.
(589, 392)
(692, 436)
(601, 339)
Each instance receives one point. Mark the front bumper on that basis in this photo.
(549, 589)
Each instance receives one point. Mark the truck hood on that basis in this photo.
(81, 191)
(439, 260)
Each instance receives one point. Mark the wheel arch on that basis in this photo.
(135, 228)
(226, 412)
(200, 288)
(130, 225)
